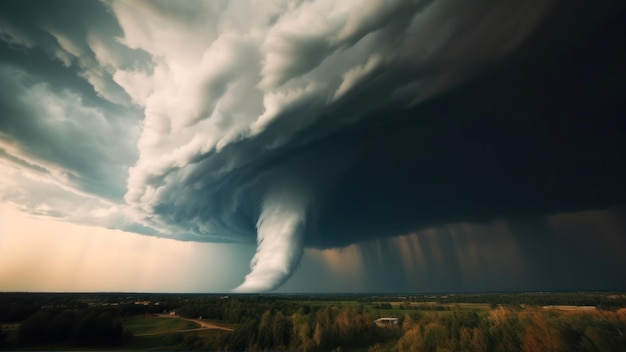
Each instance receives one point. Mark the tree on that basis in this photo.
(540, 337)
(346, 325)
(472, 340)
(281, 330)
(411, 341)
(594, 340)
(3, 336)
(319, 335)
(34, 330)
(244, 334)
(438, 338)
(479, 343)
(408, 323)
(504, 330)
(301, 333)
(61, 325)
(379, 348)
(265, 335)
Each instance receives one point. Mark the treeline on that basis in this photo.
(319, 329)
(236, 310)
(415, 307)
(269, 324)
(606, 301)
(16, 312)
(505, 329)
(90, 327)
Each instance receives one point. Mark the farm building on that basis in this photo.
(386, 322)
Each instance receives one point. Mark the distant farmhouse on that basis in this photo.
(386, 322)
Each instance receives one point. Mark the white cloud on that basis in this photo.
(280, 241)
(66, 44)
(355, 75)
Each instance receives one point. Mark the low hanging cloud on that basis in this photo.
(325, 123)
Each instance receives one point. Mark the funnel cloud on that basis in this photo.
(280, 231)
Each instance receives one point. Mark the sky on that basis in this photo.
(312, 146)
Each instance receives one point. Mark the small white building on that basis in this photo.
(386, 322)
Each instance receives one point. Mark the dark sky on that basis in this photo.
(533, 138)
(384, 129)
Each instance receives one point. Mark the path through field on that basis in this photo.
(203, 326)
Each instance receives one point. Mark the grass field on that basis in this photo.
(399, 309)
(10, 331)
(152, 325)
(198, 340)
(167, 334)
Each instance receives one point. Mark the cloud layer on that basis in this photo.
(317, 123)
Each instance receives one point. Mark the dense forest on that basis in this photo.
(472, 322)
(285, 326)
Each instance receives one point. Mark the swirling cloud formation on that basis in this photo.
(317, 123)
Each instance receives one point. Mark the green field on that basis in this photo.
(154, 325)
(400, 309)
(167, 334)
(198, 340)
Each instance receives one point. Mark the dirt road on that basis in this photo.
(203, 326)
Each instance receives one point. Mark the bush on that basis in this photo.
(86, 328)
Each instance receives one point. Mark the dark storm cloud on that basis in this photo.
(573, 251)
(538, 137)
(283, 124)
(537, 133)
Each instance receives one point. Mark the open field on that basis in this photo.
(400, 309)
(152, 325)
(201, 340)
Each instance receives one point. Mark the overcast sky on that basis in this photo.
(352, 146)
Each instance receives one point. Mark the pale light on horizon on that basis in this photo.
(43, 254)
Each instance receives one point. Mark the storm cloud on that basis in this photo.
(322, 123)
